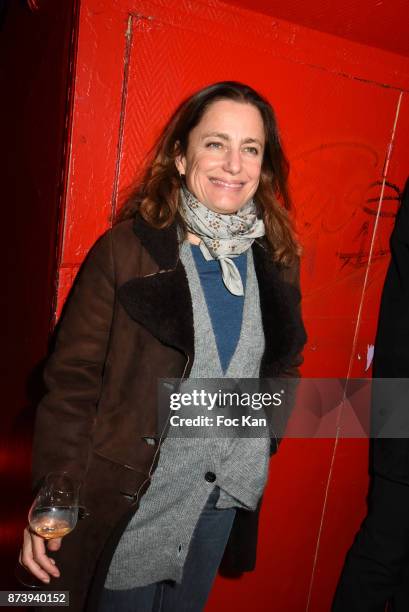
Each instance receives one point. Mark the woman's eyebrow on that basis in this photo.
(218, 134)
(248, 140)
(224, 136)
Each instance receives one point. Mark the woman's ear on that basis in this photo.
(180, 160)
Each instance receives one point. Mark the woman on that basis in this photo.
(198, 278)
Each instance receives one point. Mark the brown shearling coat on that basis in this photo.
(127, 322)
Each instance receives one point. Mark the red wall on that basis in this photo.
(370, 22)
(344, 117)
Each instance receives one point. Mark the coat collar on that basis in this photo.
(161, 244)
(162, 302)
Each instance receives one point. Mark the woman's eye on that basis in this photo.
(252, 150)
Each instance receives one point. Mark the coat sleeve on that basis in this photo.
(390, 456)
(74, 370)
(294, 358)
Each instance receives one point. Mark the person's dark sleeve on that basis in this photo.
(290, 370)
(73, 373)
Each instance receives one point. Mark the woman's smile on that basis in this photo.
(231, 185)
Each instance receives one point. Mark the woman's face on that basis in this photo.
(223, 160)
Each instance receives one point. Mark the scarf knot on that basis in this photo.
(222, 236)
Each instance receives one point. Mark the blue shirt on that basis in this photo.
(225, 309)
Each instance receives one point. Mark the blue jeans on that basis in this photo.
(202, 561)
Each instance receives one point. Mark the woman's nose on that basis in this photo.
(232, 161)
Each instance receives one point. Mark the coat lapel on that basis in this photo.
(279, 303)
(161, 302)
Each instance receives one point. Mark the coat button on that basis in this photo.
(150, 441)
(210, 476)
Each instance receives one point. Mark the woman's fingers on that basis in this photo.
(40, 556)
(54, 544)
(34, 558)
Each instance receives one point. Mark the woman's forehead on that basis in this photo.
(227, 117)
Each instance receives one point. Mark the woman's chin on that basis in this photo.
(225, 207)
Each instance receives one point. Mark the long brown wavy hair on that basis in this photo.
(156, 196)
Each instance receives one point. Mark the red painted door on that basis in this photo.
(345, 133)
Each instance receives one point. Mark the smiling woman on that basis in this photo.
(198, 278)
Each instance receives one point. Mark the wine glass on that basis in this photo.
(53, 514)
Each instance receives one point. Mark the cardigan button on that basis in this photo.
(210, 476)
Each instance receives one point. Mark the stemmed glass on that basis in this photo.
(53, 514)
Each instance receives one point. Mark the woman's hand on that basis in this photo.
(33, 556)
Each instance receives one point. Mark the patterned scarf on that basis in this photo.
(223, 237)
